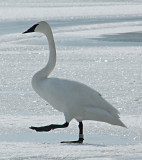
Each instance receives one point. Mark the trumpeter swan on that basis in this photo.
(74, 99)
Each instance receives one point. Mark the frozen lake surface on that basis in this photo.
(98, 42)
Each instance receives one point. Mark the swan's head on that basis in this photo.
(41, 27)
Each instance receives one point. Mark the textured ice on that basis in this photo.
(98, 43)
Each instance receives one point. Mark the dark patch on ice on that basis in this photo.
(122, 37)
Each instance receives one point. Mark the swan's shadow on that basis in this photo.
(86, 144)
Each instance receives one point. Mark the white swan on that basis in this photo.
(74, 99)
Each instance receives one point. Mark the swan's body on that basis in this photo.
(74, 99)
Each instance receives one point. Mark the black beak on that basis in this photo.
(32, 29)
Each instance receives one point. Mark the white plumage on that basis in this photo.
(74, 99)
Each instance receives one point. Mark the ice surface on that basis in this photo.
(98, 43)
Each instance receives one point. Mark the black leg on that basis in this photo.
(50, 127)
(81, 138)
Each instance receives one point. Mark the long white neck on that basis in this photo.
(44, 73)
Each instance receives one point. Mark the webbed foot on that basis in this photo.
(80, 141)
(41, 129)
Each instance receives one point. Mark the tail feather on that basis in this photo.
(102, 115)
(118, 122)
